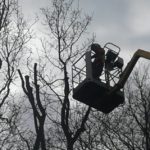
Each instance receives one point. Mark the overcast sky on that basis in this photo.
(123, 22)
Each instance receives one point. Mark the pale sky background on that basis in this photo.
(123, 22)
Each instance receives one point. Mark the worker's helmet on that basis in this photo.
(95, 47)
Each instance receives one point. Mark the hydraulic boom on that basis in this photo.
(125, 74)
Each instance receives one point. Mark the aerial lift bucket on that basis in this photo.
(95, 92)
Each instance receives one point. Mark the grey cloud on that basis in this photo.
(124, 22)
(117, 21)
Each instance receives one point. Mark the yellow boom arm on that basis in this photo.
(125, 74)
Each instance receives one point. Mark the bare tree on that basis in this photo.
(139, 106)
(39, 113)
(66, 28)
(14, 34)
(5, 7)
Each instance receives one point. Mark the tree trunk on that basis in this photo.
(69, 146)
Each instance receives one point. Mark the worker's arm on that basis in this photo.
(93, 56)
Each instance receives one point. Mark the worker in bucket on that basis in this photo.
(99, 60)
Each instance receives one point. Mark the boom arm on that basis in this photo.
(125, 74)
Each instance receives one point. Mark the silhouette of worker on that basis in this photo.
(99, 59)
(0, 63)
